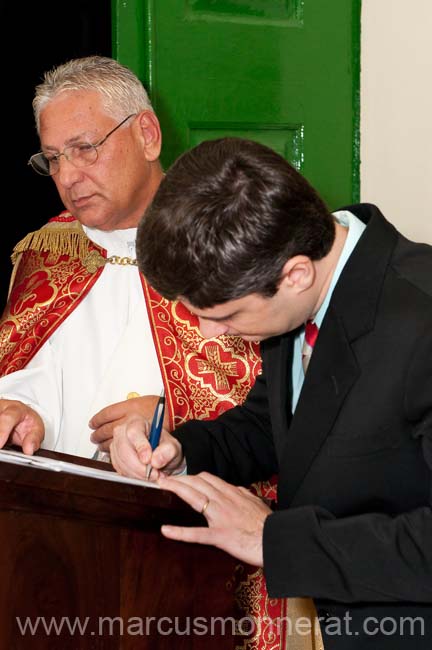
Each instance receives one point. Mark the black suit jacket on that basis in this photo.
(353, 528)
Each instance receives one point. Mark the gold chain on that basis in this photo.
(94, 260)
(123, 261)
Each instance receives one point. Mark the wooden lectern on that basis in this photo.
(83, 566)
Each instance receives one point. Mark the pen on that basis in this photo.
(156, 425)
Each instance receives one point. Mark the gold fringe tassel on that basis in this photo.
(60, 238)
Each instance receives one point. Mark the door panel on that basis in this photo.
(283, 72)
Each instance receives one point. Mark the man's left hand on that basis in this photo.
(235, 516)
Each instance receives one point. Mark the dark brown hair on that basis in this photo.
(226, 218)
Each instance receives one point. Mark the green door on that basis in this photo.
(283, 72)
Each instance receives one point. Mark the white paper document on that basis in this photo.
(54, 465)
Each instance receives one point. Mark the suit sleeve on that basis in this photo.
(237, 446)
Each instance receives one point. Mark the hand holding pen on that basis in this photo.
(156, 426)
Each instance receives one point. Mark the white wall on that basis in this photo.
(396, 112)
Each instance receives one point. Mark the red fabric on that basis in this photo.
(47, 288)
(202, 378)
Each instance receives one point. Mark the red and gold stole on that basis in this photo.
(55, 268)
(203, 378)
(49, 280)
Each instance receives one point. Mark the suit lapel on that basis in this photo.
(333, 368)
(277, 360)
(332, 372)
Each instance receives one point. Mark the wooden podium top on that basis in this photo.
(29, 488)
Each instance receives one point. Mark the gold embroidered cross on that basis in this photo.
(214, 365)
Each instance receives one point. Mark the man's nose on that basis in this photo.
(67, 173)
(209, 328)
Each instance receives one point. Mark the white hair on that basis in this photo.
(121, 91)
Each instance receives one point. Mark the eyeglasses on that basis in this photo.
(80, 154)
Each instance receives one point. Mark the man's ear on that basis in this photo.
(298, 273)
(151, 132)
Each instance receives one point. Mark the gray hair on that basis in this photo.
(121, 91)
